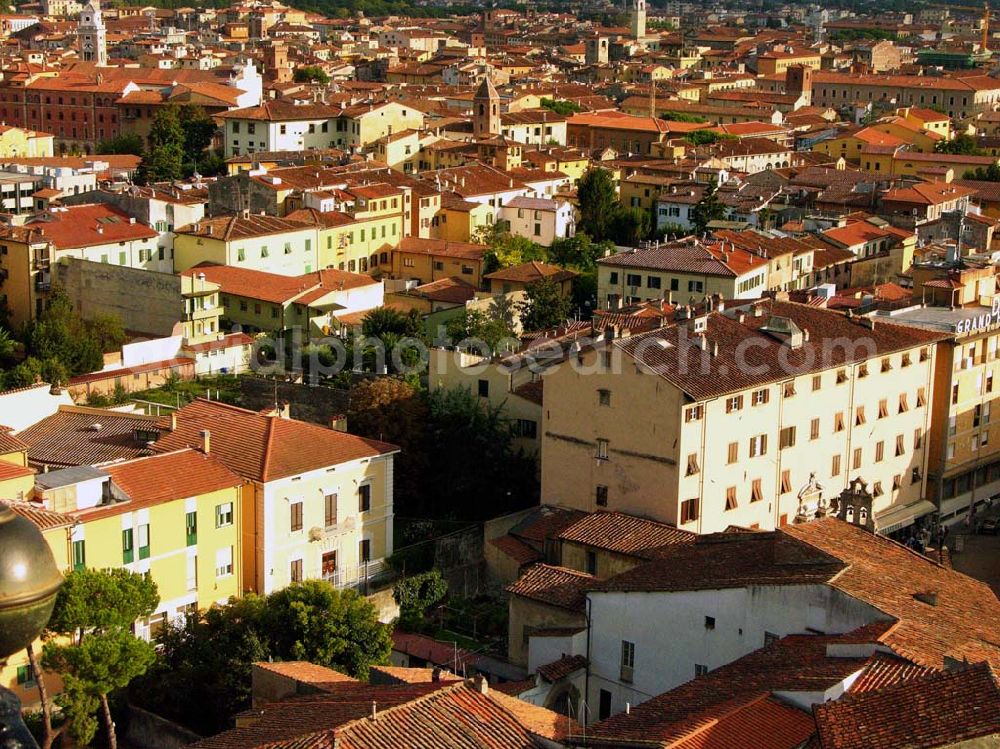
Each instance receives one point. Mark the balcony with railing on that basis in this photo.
(359, 576)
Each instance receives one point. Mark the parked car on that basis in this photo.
(990, 525)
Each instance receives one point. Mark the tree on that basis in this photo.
(199, 130)
(561, 106)
(989, 174)
(579, 252)
(477, 325)
(165, 160)
(544, 306)
(598, 202)
(705, 137)
(122, 143)
(963, 144)
(311, 74)
(507, 249)
(707, 209)
(89, 642)
(414, 595)
(202, 676)
(674, 116)
(630, 225)
(313, 621)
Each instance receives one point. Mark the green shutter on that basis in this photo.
(127, 548)
(79, 555)
(191, 526)
(144, 548)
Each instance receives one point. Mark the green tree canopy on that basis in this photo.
(561, 106)
(707, 209)
(598, 203)
(165, 160)
(311, 74)
(963, 144)
(544, 306)
(90, 644)
(130, 143)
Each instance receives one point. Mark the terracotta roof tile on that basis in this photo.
(555, 586)
(516, 549)
(624, 534)
(305, 672)
(562, 668)
(264, 448)
(935, 711)
(531, 272)
(14, 471)
(37, 514)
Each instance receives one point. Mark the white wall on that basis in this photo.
(670, 635)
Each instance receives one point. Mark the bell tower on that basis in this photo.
(639, 19)
(92, 34)
(486, 110)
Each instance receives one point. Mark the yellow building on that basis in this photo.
(900, 161)
(927, 119)
(16, 142)
(96, 232)
(318, 503)
(460, 220)
(777, 61)
(403, 151)
(737, 417)
(267, 243)
(426, 260)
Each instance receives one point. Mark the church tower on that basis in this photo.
(486, 110)
(92, 34)
(639, 19)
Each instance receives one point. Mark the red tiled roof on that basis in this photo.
(86, 225)
(442, 247)
(962, 624)
(935, 711)
(516, 549)
(161, 478)
(304, 672)
(14, 471)
(562, 668)
(554, 586)
(275, 288)
(763, 723)
(624, 534)
(531, 272)
(265, 448)
(886, 669)
(41, 517)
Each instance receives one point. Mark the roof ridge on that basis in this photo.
(265, 467)
(427, 697)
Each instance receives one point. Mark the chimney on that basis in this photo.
(480, 684)
(436, 674)
(206, 441)
(173, 421)
(374, 710)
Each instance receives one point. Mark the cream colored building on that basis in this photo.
(318, 503)
(267, 243)
(746, 416)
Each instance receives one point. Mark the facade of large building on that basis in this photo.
(747, 416)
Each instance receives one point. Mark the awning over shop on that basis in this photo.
(895, 518)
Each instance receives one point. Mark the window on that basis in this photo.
(838, 421)
(295, 571)
(604, 397)
(817, 382)
(786, 481)
(601, 496)
(223, 514)
(628, 660)
(770, 638)
(954, 394)
(633, 279)
(700, 670)
(886, 364)
(906, 360)
(604, 705)
(364, 551)
(709, 622)
(856, 464)
(364, 497)
(734, 403)
(652, 282)
(602, 449)
(693, 413)
(835, 466)
(144, 541)
(127, 546)
(879, 451)
(689, 510)
(26, 676)
(883, 408)
(897, 482)
(759, 397)
(841, 376)
(590, 563)
(756, 493)
(692, 464)
(859, 416)
(788, 389)
(921, 397)
(734, 453)
(814, 429)
(191, 528)
(79, 555)
(484, 388)
(786, 438)
(903, 405)
(191, 572)
(877, 489)
(863, 370)
(224, 562)
(731, 503)
(330, 510)
(295, 516)
(917, 438)
(915, 476)
(758, 445)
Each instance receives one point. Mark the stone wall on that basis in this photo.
(319, 405)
